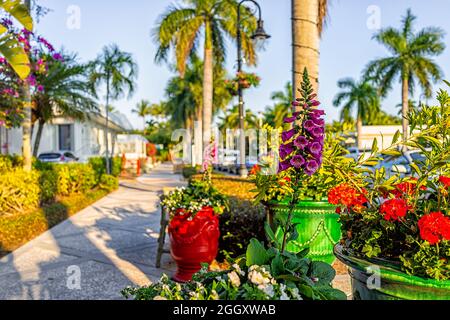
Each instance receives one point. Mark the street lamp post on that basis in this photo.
(259, 35)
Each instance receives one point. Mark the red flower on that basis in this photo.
(255, 170)
(407, 188)
(394, 209)
(445, 181)
(434, 227)
(347, 196)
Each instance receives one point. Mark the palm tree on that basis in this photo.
(66, 93)
(142, 110)
(180, 28)
(308, 19)
(282, 106)
(231, 120)
(410, 60)
(10, 48)
(360, 95)
(117, 70)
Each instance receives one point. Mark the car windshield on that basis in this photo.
(49, 156)
(417, 157)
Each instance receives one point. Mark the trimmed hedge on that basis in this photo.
(19, 191)
(75, 178)
(99, 166)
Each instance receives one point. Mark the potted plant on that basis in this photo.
(299, 189)
(194, 224)
(397, 230)
(244, 81)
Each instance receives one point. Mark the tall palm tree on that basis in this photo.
(308, 19)
(361, 96)
(142, 110)
(181, 27)
(117, 70)
(66, 93)
(282, 106)
(231, 119)
(410, 60)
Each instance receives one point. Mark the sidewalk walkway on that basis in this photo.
(96, 253)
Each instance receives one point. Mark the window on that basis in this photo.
(65, 136)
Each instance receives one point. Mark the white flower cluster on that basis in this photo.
(263, 279)
(174, 201)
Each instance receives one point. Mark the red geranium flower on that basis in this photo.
(434, 227)
(394, 209)
(347, 196)
(407, 188)
(445, 181)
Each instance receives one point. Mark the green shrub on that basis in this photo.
(99, 166)
(109, 183)
(238, 226)
(48, 182)
(188, 172)
(19, 191)
(75, 178)
(8, 162)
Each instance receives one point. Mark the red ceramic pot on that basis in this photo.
(193, 241)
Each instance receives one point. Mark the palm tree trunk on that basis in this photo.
(359, 132)
(208, 89)
(26, 125)
(37, 141)
(405, 107)
(305, 42)
(108, 169)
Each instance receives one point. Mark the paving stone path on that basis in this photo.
(98, 252)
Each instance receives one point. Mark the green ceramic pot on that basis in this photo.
(317, 226)
(383, 280)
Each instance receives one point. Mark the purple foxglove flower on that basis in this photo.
(290, 120)
(315, 148)
(313, 96)
(317, 112)
(295, 104)
(301, 142)
(287, 135)
(311, 167)
(315, 103)
(317, 132)
(297, 161)
(309, 125)
(286, 150)
(284, 166)
(318, 122)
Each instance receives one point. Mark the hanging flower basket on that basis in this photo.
(243, 80)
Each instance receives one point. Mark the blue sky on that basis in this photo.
(346, 45)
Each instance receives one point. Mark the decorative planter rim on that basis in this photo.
(302, 204)
(389, 270)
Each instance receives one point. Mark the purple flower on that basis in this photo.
(301, 142)
(295, 104)
(315, 148)
(287, 135)
(290, 120)
(286, 150)
(58, 56)
(311, 167)
(297, 161)
(317, 113)
(284, 166)
(309, 125)
(313, 96)
(318, 122)
(40, 88)
(315, 103)
(317, 132)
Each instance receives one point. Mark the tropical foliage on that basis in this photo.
(410, 61)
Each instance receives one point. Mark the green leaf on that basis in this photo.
(277, 266)
(323, 272)
(18, 11)
(332, 294)
(256, 254)
(270, 234)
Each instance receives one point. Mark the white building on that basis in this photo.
(84, 138)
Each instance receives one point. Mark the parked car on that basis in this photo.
(400, 165)
(60, 157)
